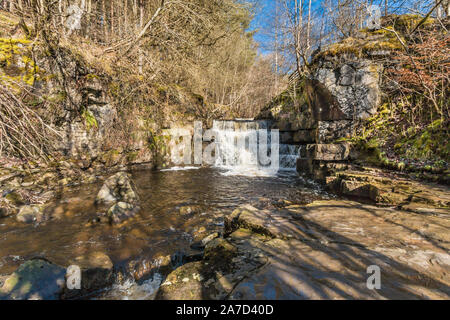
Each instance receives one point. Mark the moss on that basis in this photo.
(91, 76)
(89, 119)
(132, 156)
(16, 65)
(407, 22)
(362, 47)
(427, 143)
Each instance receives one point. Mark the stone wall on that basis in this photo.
(338, 94)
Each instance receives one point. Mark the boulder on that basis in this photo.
(118, 187)
(30, 214)
(345, 92)
(34, 280)
(119, 190)
(97, 272)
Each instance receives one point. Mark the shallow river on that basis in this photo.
(158, 230)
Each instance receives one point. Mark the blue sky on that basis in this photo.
(262, 19)
(267, 9)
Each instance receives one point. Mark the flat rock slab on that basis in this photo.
(320, 251)
(381, 187)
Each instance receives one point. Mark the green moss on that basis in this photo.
(407, 22)
(89, 119)
(91, 76)
(16, 65)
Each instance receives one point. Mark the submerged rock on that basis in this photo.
(185, 210)
(34, 280)
(30, 214)
(122, 211)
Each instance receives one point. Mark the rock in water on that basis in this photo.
(97, 272)
(116, 188)
(122, 211)
(30, 214)
(119, 190)
(34, 280)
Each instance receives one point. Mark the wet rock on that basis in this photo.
(212, 278)
(34, 280)
(15, 198)
(97, 272)
(219, 248)
(4, 212)
(199, 245)
(185, 210)
(122, 211)
(319, 251)
(30, 214)
(209, 238)
(118, 187)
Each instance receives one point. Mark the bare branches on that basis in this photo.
(23, 133)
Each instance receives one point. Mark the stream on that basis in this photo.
(159, 229)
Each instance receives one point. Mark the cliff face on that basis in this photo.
(343, 98)
(83, 103)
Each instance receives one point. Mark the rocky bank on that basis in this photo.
(320, 251)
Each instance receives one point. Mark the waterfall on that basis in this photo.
(289, 154)
(247, 147)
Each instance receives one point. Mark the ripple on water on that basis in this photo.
(158, 229)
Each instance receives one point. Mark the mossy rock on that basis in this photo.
(34, 280)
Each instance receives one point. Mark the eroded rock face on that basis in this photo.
(354, 90)
(378, 186)
(30, 214)
(319, 251)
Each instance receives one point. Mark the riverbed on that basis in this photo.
(178, 208)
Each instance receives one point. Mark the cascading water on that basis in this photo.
(289, 154)
(247, 147)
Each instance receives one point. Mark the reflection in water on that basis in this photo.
(159, 229)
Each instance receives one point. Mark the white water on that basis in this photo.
(239, 143)
(131, 290)
(180, 169)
